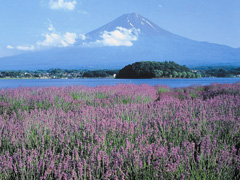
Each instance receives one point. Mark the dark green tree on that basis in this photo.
(151, 69)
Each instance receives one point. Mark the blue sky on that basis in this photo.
(28, 25)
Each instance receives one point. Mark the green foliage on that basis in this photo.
(162, 90)
(152, 69)
(184, 74)
(158, 73)
(180, 74)
(198, 75)
(219, 71)
(58, 73)
(189, 74)
(175, 74)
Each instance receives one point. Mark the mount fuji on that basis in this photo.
(127, 39)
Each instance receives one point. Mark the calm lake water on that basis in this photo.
(14, 83)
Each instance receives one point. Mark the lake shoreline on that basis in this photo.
(106, 78)
(93, 82)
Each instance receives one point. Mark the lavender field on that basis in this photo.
(120, 132)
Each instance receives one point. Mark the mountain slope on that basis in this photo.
(129, 21)
(127, 39)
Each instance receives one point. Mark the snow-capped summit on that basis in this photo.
(130, 21)
(127, 30)
(134, 22)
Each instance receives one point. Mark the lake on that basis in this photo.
(14, 83)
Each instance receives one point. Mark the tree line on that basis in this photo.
(144, 69)
(220, 72)
(58, 73)
(152, 69)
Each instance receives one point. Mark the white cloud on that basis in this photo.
(22, 48)
(51, 28)
(58, 40)
(62, 4)
(10, 47)
(119, 37)
(25, 48)
(70, 38)
(51, 39)
(82, 37)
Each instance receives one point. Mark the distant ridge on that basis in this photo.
(125, 40)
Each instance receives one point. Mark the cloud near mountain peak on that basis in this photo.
(58, 40)
(118, 37)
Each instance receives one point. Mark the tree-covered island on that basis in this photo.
(152, 69)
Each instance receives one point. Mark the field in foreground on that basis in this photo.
(120, 132)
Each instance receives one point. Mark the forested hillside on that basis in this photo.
(152, 69)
